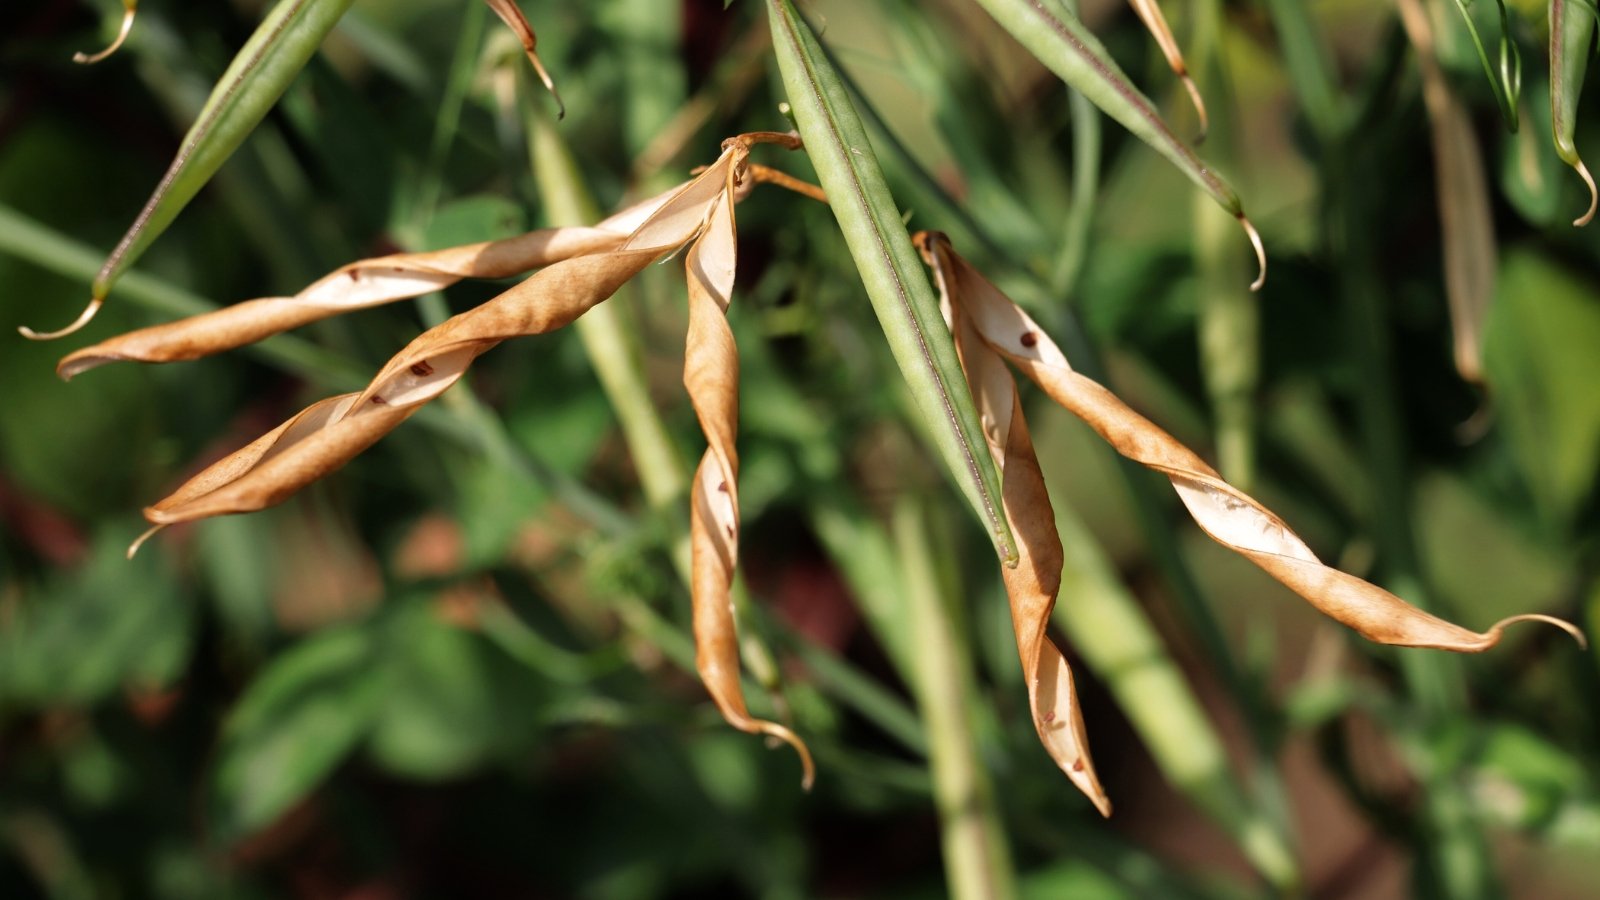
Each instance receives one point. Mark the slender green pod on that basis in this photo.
(1056, 37)
(1571, 32)
(1507, 81)
(1228, 319)
(257, 77)
(905, 303)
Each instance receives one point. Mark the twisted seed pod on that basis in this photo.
(1228, 515)
(330, 433)
(711, 377)
(358, 285)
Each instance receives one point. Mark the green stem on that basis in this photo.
(976, 858)
(448, 119)
(896, 284)
(609, 342)
(1113, 634)
(1310, 67)
(1229, 320)
(1086, 147)
(1452, 848)
(1144, 488)
(608, 337)
(862, 693)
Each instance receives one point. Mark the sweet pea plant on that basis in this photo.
(955, 338)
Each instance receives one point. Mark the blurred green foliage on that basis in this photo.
(462, 666)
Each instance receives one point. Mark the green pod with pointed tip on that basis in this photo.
(905, 303)
(257, 77)
(1060, 41)
(1572, 27)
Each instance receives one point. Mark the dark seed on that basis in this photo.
(421, 368)
(1029, 339)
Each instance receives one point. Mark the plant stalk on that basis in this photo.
(976, 859)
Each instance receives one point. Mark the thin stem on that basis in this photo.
(608, 338)
(1117, 639)
(1451, 845)
(1229, 320)
(609, 341)
(448, 119)
(976, 859)
(1086, 151)
(1310, 67)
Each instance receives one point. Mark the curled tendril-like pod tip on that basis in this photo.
(1571, 629)
(130, 8)
(1594, 197)
(778, 732)
(1261, 251)
(138, 542)
(82, 320)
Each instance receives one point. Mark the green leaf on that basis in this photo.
(900, 294)
(1072, 878)
(258, 76)
(452, 702)
(1060, 41)
(1531, 173)
(1478, 557)
(1571, 32)
(295, 723)
(476, 217)
(86, 635)
(1539, 358)
(237, 561)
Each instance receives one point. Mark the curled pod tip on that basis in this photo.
(1261, 251)
(1594, 197)
(130, 8)
(82, 320)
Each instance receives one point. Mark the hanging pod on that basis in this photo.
(1229, 516)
